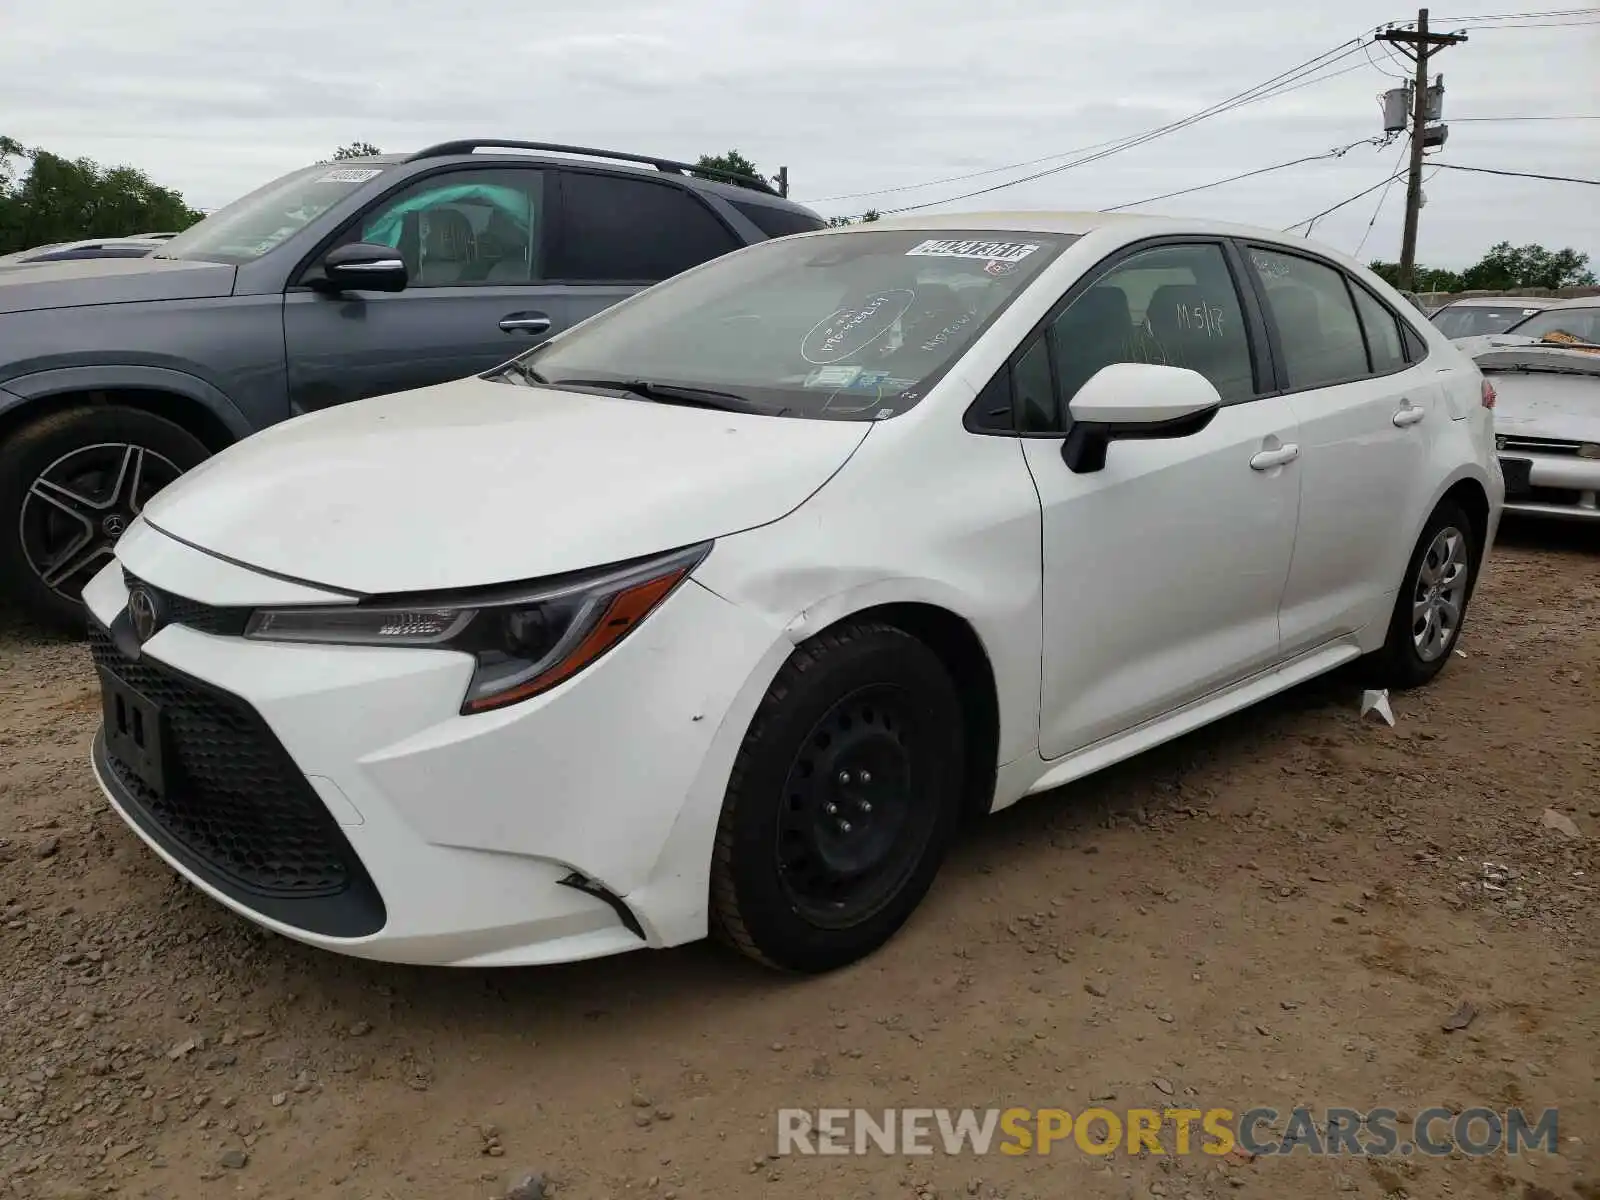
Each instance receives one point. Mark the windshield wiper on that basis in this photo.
(672, 393)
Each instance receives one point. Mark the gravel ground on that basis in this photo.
(1286, 908)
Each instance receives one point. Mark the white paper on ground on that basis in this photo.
(1377, 702)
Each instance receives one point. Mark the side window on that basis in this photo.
(1383, 332)
(619, 230)
(1416, 347)
(1317, 326)
(460, 228)
(1171, 306)
(1034, 390)
(775, 221)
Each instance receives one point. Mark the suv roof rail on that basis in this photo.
(667, 165)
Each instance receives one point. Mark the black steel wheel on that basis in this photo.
(842, 800)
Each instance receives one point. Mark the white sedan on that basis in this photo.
(719, 611)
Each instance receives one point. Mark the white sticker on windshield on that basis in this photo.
(350, 175)
(832, 377)
(1011, 252)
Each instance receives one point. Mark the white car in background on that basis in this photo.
(718, 611)
(1547, 422)
(1478, 316)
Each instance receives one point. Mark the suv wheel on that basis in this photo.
(70, 484)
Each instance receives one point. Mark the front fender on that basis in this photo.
(104, 376)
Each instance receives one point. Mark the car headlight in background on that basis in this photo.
(524, 642)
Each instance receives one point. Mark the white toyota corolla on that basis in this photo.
(719, 611)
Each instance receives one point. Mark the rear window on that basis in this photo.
(1475, 320)
(778, 222)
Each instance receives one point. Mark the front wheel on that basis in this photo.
(842, 800)
(70, 485)
(1432, 604)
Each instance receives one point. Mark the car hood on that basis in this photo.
(77, 282)
(473, 483)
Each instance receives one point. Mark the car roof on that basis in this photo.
(1575, 302)
(1501, 302)
(1131, 226)
(492, 153)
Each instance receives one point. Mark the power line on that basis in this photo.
(1574, 117)
(1404, 146)
(1518, 174)
(1351, 200)
(1558, 12)
(1366, 48)
(1294, 162)
(1295, 77)
(1257, 93)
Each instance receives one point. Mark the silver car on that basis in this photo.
(1547, 425)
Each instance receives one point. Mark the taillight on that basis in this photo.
(1488, 394)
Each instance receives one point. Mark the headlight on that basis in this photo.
(524, 642)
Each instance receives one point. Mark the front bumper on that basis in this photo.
(337, 796)
(1545, 484)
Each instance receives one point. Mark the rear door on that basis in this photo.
(1368, 417)
(615, 234)
(475, 243)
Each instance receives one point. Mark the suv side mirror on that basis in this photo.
(1127, 401)
(363, 267)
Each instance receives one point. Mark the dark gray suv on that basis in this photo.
(335, 282)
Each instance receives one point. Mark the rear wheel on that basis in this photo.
(1432, 603)
(842, 800)
(70, 485)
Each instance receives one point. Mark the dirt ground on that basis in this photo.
(1284, 909)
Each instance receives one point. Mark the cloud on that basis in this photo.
(217, 99)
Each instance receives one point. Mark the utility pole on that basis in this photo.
(1421, 45)
(783, 181)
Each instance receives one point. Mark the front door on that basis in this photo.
(473, 241)
(1163, 570)
(1367, 420)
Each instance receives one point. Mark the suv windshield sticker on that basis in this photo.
(350, 175)
(847, 331)
(1011, 252)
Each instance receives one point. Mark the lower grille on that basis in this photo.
(235, 808)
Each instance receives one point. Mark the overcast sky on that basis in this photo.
(214, 98)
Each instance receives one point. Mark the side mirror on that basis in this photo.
(1127, 401)
(363, 267)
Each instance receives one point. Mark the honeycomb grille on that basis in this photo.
(180, 610)
(233, 797)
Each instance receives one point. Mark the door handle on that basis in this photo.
(1267, 459)
(1409, 415)
(524, 323)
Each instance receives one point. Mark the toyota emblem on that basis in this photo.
(145, 614)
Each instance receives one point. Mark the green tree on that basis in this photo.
(1426, 279)
(731, 161)
(55, 199)
(871, 214)
(1532, 266)
(354, 150)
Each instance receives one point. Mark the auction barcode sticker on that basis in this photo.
(350, 175)
(952, 248)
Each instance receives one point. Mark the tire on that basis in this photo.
(1448, 537)
(866, 719)
(70, 483)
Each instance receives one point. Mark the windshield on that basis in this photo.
(1475, 320)
(249, 227)
(849, 325)
(1563, 324)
